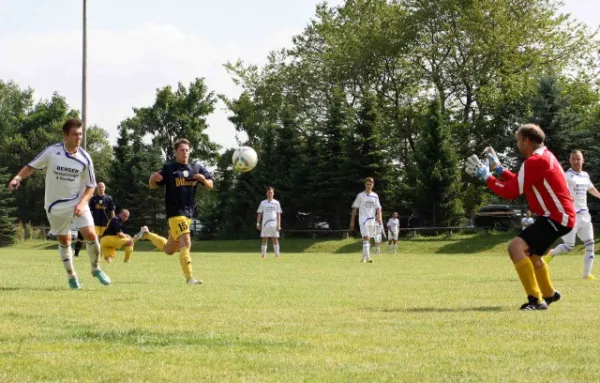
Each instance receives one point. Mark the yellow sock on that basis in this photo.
(128, 251)
(527, 276)
(186, 262)
(542, 275)
(158, 241)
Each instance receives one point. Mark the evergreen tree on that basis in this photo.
(7, 208)
(438, 171)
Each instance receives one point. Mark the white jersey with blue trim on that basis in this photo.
(269, 210)
(367, 205)
(67, 176)
(579, 183)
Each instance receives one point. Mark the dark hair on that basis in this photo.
(124, 210)
(71, 123)
(369, 179)
(577, 151)
(180, 142)
(532, 132)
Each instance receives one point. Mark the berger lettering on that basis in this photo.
(68, 170)
(184, 182)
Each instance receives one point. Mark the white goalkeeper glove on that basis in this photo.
(474, 167)
(495, 164)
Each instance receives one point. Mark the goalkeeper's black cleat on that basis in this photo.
(554, 298)
(533, 304)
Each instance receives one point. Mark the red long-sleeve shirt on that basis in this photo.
(543, 181)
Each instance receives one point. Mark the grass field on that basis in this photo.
(441, 310)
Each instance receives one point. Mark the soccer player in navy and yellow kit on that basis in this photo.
(102, 207)
(180, 180)
(114, 238)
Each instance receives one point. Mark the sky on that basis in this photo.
(138, 46)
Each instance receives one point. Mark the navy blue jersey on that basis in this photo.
(101, 206)
(115, 226)
(180, 187)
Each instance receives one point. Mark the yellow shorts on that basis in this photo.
(113, 242)
(179, 226)
(100, 230)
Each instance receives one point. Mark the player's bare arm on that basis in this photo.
(155, 178)
(593, 191)
(353, 218)
(25, 172)
(379, 218)
(258, 220)
(278, 221)
(85, 199)
(208, 184)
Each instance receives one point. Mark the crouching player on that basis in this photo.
(543, 182)
(114, 238)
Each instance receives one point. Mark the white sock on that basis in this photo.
(562, 248)
(389, 248)
(276, 249)
(366, 247)
(395, 248)
(588, 258)
(263, 250)
(66, 255)
(377, 249)
(93, 250)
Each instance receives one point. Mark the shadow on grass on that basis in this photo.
(439, 309)
(25, 288)
(477, 243)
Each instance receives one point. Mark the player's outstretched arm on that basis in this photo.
(155, 178)
(25, 172)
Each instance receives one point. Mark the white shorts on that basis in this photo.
(61, 220)
(392, 235)
(269, 232)
(583, 229)
(368, 230)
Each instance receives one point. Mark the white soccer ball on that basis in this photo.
(244, 159)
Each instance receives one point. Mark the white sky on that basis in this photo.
(137, 46)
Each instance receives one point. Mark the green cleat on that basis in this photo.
(102, 277)
(74, 283)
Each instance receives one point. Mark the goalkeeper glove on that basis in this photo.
(474, 167)
(495, 164)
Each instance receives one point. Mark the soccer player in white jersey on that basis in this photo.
(369, 213)
(527, 220)
(579, 185)
(268, 221)
(379, 235)
(393, 225)
(70, 184)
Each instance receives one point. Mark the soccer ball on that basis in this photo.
(244, 159)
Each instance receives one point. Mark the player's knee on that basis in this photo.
(517, 248)
(568, 246)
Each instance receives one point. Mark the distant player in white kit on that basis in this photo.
(268, 221)
(70, 183)
(379, 236)
(369, 214)
(527, 220)
(579, 185)
(393, 225)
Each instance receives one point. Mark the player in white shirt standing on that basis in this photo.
(369, 213)
(379, 235)
(527, 220)
(393, 225)
(268, 221)
(579, 185)
(70, 184)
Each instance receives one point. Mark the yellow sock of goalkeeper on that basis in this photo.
(128, 251)
(542, 275)
(186, 262)
(527, 276)
(158, 241)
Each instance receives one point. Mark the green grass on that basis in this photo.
(441, 310)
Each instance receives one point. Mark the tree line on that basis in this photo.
(400, 90)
